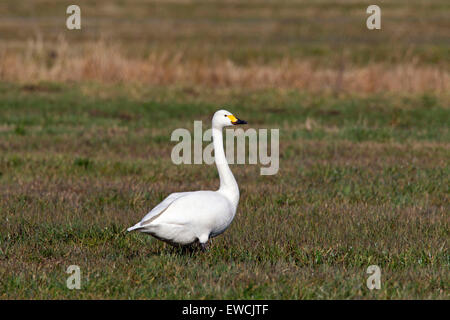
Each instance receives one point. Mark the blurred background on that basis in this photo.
(309, 45)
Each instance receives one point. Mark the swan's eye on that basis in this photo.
(226, 116)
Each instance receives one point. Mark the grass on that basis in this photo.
(243, 32)
(318, 46)
(363, 180)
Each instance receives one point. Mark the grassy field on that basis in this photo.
(362, 181)
(85, 124)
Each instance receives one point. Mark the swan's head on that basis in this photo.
(224, 118)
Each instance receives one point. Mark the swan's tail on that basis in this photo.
(135, 227)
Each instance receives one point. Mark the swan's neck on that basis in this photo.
(228, 185)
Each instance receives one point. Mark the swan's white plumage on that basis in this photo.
(186, 217)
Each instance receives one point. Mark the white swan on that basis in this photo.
(186, 217)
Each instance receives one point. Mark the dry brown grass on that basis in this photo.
(106, 63)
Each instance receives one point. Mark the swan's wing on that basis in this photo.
(163, 206)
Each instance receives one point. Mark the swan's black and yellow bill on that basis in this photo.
(239, 121)
(236, 121)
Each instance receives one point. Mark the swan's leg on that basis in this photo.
(204, 242)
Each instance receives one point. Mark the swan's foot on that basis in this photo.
(204, 246)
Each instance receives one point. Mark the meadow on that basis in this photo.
(85, 125)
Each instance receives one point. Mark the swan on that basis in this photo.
(184, 218)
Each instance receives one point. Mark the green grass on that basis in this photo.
(362, 181)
